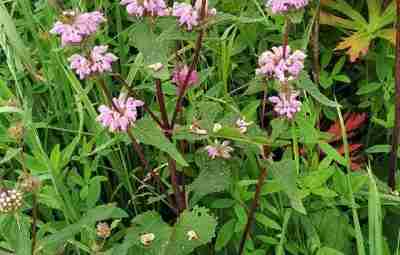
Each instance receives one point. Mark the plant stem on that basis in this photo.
(263, 106)
(295, 147)
(254, 205)
(315, 45)
(182, 91)
(161, 103)
(286, 36)
(34, 221)
(396, 129)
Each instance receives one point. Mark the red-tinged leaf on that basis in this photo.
(355, 121)
(355, 166)
(352, 148)
(357, 45)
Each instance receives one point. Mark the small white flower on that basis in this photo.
(242, 125)
(156, 67)
(147, 239)
(192, 235)
(217, 127)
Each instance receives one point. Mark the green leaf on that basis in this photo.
(99, 213)
(332, 153)
(200, 222)
(147, 132)
(215, 176)
(267, 222)
(317, 178)
(15, 230)
(170, 240)
(306, 84)
(328, 251)
(284, 172)
(369, 88)
(324, 192)
(225, 234)
(10, 154)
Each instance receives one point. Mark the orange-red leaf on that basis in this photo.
(357, 45)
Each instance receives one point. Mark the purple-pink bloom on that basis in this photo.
(272, 64)
(282, 6)
(286, 105)
(140, 8)
(218, 150)
(179, 76)
(99, 61)
(76, 26)
(123, 117)
(189, 15)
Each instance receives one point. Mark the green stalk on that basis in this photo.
(295, 147)
(359, 236)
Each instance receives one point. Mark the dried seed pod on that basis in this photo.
(10, 200)
(29, 183)
(16, 131)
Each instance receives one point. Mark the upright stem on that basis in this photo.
(295, 147)
(286, 36)
(396, 129)
(263, 106)
(161, 102)
(34, 221)
(315, 45)
(254, 205)
(195, 62)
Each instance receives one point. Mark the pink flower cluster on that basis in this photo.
(218, 150)
(286, 105)
(282, 6)
(273, 64)
(179, 76)
(99, 61)
(188, 15)
(140, 8)
(76, 26)
(123, 117)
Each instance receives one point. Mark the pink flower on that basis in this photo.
(76, 26)
(218, 150)
(281, 6)
(101, 59)
(188, 15)
(140, 8)
(98, 62)
(123, 117)
(286, 105)
(179, 76)
(272, 64)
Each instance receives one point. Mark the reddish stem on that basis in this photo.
(286, 36)
(396, 129)
(254, 205)
(315, 45)
(182, 91)
(161, 103)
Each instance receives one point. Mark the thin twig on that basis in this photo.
(396, 129)
(254, 205)
(263, 107)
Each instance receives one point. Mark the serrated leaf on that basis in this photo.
(267, 222)
(215, 176)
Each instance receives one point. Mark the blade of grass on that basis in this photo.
(356, 221)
